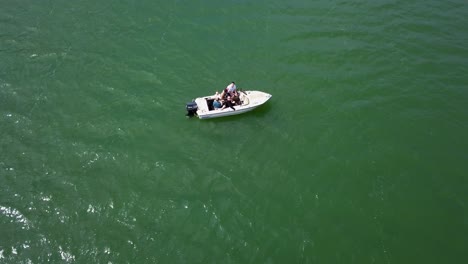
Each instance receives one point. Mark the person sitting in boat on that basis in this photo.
(228, 103)
(235, 98)
(217, 103)
(223, 94)
(231, 88)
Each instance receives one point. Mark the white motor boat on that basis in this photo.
(203, 106)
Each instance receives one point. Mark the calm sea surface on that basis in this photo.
(361, 155)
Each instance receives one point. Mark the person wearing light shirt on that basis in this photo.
(231, 88)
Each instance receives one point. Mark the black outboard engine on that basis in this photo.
(192, 108)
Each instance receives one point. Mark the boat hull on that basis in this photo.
(250, 101)
(224, 112)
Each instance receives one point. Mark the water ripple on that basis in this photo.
(16, 216)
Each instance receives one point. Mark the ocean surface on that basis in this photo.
(360, 156)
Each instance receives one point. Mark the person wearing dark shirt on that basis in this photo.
(228, 103)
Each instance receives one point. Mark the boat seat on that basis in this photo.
(245, 100)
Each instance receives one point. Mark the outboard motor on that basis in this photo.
(192, 108)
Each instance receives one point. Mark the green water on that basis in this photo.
(361, 155)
